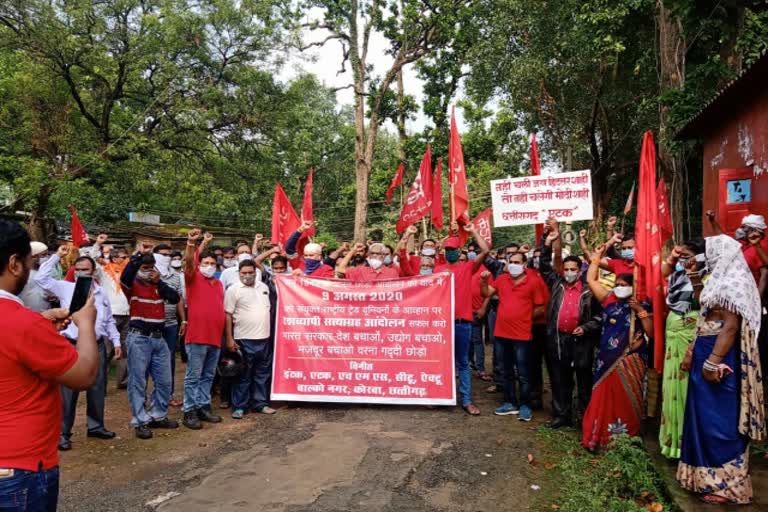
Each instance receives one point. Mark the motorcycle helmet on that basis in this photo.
(231, 364)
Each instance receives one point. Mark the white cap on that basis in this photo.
(754, 221)
(38, 248)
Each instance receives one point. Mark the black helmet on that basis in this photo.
(231, 364)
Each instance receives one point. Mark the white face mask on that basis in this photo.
(244, 256)
(428, 251)
(571, 276)
(515, 269)
(162, 263)
(208, 270)
(229, 262)
(375, 263)
(176, 264)
(622, 292)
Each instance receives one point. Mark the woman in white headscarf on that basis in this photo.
(724, 409)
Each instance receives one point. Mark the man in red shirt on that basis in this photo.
(521, 301)
(34, 361)
(205, 328)
(462, 283)
(375, 269)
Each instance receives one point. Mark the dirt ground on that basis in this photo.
(318, 457)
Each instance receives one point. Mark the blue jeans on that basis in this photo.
(463, 330)
(498, 348)
(477, 343)
(516, 355)
(253, 384)
(30, 491)
(201, 367)
(171, 336)
(148, 355)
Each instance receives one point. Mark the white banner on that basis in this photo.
(533, 199)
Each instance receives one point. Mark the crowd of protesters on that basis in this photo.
(536, 306)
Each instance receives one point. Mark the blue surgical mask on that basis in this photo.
(740, 234)
(425, 272)
(471, 255)
(387, 259)
(628, 254)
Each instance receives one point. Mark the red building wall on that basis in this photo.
(739, 141)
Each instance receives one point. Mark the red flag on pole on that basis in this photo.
(648, 245)
(284, 218)
(79, 236)
(536, 171)
(306, 206)
(482, 223)
(630, 200)
(396, 182)
(437, 196)
(419, 200)
(457, 176)
(665, 215)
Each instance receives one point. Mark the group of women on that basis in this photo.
(712, 382)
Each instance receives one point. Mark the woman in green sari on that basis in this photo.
(681, 270)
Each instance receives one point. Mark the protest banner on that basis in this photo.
(565, 196)
(384, 342)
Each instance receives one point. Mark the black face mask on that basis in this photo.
(358, 261)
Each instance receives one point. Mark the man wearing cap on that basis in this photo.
(463, 272)
(34, 297)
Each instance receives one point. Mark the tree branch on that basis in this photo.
(322, 43)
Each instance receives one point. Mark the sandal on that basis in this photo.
(175, 403)
(471, 409)
(711, 499)
(224, 405)
(483, 376)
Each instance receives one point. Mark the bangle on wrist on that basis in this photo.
(642, 315)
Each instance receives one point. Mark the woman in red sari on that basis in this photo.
(617, 393)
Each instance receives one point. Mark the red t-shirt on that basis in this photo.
(543, 289)
(462, 280)
(364, 273)
(753, 259)
(514, 319)
(205, 304)
(568, 317)
(477, 296)
(32, 354)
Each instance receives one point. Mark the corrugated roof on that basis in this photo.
(732, 95)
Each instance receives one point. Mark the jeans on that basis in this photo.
(477, 343)
(30, 491)
(498, 348)
(516, 355)
(463, 331)
(148, 354)
(535, 364)
(253, 384)
(171, 336)
(201, 367)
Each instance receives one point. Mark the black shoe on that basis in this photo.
(101, 434)
(205, 415)
(143, 432)
(559, 423)
(191, 420)
(164, 423)
(65, 445)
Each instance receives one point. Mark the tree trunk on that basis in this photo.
(38, 228)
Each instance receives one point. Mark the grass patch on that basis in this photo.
(623, 479)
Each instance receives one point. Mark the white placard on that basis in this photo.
(565, 196)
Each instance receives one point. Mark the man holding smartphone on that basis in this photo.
(35, 360)
(106, 329)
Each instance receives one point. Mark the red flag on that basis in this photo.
(284, 218)
(665, 215)
(396, 182)
(630, 200)
(79, 236)
(482, 224)
(419, 200)
(306, 206)
(437, 196)
(648, 245)
(536, 171)
(457, 176)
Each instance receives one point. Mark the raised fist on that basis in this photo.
(411, 230)
(193, 235)
(62, 251)
(484, 275)
(208, 236)
(583, 233)
(305, 225)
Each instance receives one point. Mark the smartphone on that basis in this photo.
(81, 293)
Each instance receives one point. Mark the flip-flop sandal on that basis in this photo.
(472, 410)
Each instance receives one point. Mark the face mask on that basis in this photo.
(471, 255)
(229, 263)
(571, 276)
(219, 260)
(628, 254)
(622, 292)
(81, 273)
(387, 259)
(243, 257)
(375, 263)
(248, 280)
(176, 264)
(452, 255)
(144, 275)
(428, 251)
(536, 261)
(515, 269)
(208, 270)
(310, 265)
(425, 272)
(679, 267)
(162, 263)
(43, 259)
(740, 234)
